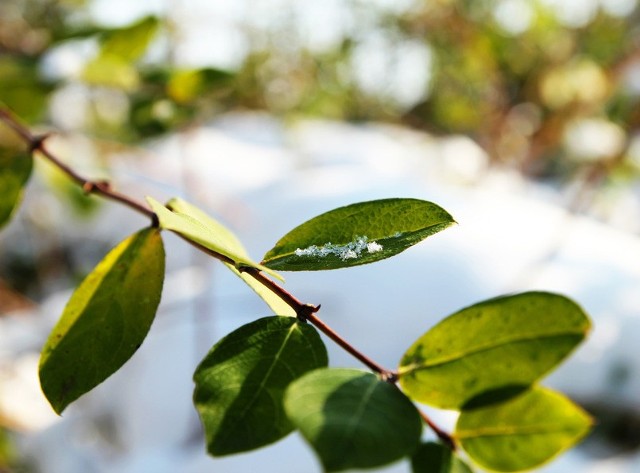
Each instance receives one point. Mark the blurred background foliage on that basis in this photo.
(547, 87)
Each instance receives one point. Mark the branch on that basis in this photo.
(304, 312)
(444, 437)
(103, 188)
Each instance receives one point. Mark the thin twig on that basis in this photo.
(444, 437)
(103, 188)
(305, 312)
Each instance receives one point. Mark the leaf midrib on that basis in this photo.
(482, 348)
(507, 430)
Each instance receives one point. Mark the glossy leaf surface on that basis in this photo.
(352, 419)
(15, 169)
(204, 231)
(357, 234)
(434, 457)
(522, 433)
(240, 384)
(492, 350)
(105, 321)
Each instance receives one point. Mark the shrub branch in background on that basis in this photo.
(271, 376)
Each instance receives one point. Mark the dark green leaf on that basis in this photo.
(522, 433)
(241, 382)
(15, 169)
(352, 419)
(492, 350)
(436, 458)
(357, 234)
(198, 227)
(105, 321)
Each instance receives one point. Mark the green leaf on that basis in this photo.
(357, 234)
(15, 169)
(190, 85)
(434, 457)
(232, 243)
(523, 432)
(492, 350)
(114, 65)
(111, 71)
(22, 87)
(105, 321)
(352, 419)
(241, 382)
(198, 227)
(131, 42)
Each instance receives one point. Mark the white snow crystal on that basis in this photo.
(374, 247)
(351, 250)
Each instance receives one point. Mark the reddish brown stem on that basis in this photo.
(36, 143)
(305, 312)
(444, 437)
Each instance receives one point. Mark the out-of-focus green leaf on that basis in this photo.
(114, 66)
(131, 42)
(111, 71)
(492, 350)
(105, 321)
(352, 419)
(434, 457)
(233, 243)
(357, 234)
(15, 169)
(22, 89)
(8, 453)
(187, 86)
(522, 433)
(241, 382)
(216, 237)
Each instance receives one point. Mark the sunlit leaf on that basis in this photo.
(233, 244)
(352, 419)
(522, 433)
(15, 169)
(357, 234)
(105, 321)
(436, 458)
(241, 382)
(492, 350)
(215, 238)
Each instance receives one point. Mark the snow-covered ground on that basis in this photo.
(263, 179)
